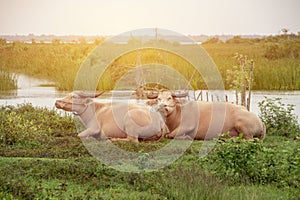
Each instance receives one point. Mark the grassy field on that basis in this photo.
(41, 157)
(276, 61)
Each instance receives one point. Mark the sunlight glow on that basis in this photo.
(99, 17)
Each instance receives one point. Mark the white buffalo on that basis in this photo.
(205, 120)
(117, 121)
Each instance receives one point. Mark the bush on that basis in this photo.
(233, 158)
(239, 40)
(273, 51)
(286, 49)
(240, 161)
(279, 118)
(213, 40)
(26, 124)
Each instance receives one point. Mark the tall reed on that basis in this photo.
(8, 81)
(60, 64)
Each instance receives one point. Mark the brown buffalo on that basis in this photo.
(117, 121)
(205, 120)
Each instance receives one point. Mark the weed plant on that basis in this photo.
(251, 162)
(32, 125)
(279, 118)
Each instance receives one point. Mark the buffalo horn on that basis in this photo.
(180, 95)
(152, 95)
(89, 95)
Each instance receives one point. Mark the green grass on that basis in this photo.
(41, 157)
(63, 169)
(29, 178)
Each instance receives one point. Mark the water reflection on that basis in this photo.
(30, 91)
(8, 94)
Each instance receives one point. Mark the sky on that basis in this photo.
(112, 17)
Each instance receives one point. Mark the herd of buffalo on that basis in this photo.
(163, 115)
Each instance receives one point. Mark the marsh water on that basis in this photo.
(30, 91)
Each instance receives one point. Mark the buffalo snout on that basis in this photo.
(59, 104)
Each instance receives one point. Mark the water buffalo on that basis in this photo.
(118, 121)
(205, 120)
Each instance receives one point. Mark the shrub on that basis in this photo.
(28, 125)
(279, 118)
(239, 40)
(232, 158)
(273, 51)
(213, 40)
(285, 49)
(240, 161)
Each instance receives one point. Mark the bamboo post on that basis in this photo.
(200, 94)
(236, 97)
(243, 92)
(195, 98)
(250, 84)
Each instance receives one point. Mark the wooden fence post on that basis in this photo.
(250, 84)
(243, 92)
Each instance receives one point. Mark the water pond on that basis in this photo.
(31, 91)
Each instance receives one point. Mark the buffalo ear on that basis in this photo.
(88, 100)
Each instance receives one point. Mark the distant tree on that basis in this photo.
(99, 40)
(82, 40)
(134, 41)
(239, 40)
(287, 48)
(213, 40)
(2, 41)
(273, 51)
(176, 43)
(56, 41)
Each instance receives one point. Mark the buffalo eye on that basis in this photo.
(75, 96)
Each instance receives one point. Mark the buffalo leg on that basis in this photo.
(172, 134)
(179, 136)
(246, 133)
(128, 139)
(87, 134)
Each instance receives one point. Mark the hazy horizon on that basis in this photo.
(189, 17)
